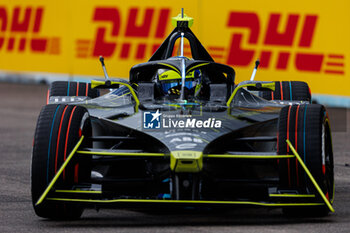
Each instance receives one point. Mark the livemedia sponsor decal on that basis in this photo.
(157, 120)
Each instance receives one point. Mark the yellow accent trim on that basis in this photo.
(185, 202)
(199, 65)
(78, 191)
(170, 66)
(170, 75)
(175, 105)
(292, 195)
(96, 83)
(227, 156)
(186, 161)
(119, 96)
(270, 86)
(128, 93)
(53, 181)
(120, 153)
(179, 18)
(310, 176)
(173, 75)
(223, 156)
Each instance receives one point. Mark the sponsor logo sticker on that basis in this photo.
(157, 120)
(151, 120)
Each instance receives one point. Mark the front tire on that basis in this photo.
(288, 90)
(58, 129)
(67, 88)
(308, 129)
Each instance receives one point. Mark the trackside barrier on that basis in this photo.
(308, 43)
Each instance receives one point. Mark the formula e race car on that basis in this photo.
(181, 133)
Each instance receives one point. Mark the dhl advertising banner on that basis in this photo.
(302, 40)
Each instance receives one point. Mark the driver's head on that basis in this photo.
(170, 81)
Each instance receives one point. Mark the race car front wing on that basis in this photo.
(190, 163)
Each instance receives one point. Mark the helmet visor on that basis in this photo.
(169, 79)
(167, 84)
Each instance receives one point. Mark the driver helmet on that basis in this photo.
(170, 81)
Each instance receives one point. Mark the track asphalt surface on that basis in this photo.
(19, 108)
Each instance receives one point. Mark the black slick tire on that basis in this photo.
(307, 128)
(288, 90)
(58, 130)
(66, 88)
